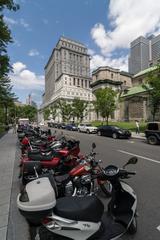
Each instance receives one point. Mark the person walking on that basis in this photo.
(137, 127)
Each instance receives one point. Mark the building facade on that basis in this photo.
(144, 53)
(67, 73)
(115, 79)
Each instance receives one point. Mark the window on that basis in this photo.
(78, 81)
(82, 83)
(112, 75)
(86, 83)
(74, 81)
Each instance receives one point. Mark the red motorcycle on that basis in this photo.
(84, 179)
(61, 161)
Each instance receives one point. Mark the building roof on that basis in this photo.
(145, 71)
(134, 91)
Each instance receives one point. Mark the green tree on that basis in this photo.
(65, 109)
(53, 110)
(105, 102)
(153, 89)
(46, 113)
(79, 107)
(5, 36)
(6, 95)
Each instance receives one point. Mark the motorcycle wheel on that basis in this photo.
(133, 226)
(106, 188)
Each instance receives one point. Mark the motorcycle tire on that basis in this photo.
(133, 226)
(106, 188)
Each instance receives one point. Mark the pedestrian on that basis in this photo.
(137, 127)
(14, 127)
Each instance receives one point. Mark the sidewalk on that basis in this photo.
(138, 136)
(7, 157)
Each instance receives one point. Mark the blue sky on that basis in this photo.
(105, 27)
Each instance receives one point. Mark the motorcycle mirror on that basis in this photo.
(132, 160)
(93, 145)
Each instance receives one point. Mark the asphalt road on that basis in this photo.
(146, 183)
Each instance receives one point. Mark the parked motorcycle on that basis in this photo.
(82, 218)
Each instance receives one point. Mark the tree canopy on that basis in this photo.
(105, 102)
(6, 95)
(153, 88)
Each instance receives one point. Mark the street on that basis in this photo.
(110, 151)
(145, 183)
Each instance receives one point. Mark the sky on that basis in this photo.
(106, 27)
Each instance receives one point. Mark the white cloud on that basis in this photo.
(129, 19)
(22, 78)
(24, 23)
(120, 63)
(33, 52)
(10, 21)
(91, 51)
(18, 22)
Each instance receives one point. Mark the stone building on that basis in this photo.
(135, 100)
(67, 74)
(118, 80)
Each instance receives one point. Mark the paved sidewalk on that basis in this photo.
(138, 136)
(7, 157)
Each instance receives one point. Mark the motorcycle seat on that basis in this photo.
(88, 208)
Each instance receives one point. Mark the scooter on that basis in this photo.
(80, 218)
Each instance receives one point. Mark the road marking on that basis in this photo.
(130, 141)
(158, 228)
(146, 158)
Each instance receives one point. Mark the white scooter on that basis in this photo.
(82, 218)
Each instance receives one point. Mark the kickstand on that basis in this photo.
(37, 237)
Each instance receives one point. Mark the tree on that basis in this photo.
(79, 107)
(46, 113)
(6, 95)
(153, 89)
(53, 110)
(66, 110)
(105, 102)
(5, 37)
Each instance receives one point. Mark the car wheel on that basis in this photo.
(152, 140)
(99, 133)
(114, 135)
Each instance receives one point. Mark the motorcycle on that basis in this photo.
(83, 179)
(80, 218)
(62, 160)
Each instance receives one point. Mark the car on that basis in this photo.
(87, 128)
(113, 131)
(71, 127)
(152, 133)
(61, 125)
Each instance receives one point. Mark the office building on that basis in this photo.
(67, 73)
(144, 53)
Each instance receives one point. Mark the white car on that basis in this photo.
(87, 128)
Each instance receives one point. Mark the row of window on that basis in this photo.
(73, 46)
(78, 82)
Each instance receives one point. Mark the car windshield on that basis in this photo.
(117, 128)
(88, 125)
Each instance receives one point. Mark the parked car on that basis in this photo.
(71, 127)
(61, 125)
(113, 131)
(87, 128)
(152, 133)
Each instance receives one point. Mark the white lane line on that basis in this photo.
(158, 228)
(146, 158)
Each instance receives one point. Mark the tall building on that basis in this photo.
(144, 53)
(67, 72)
